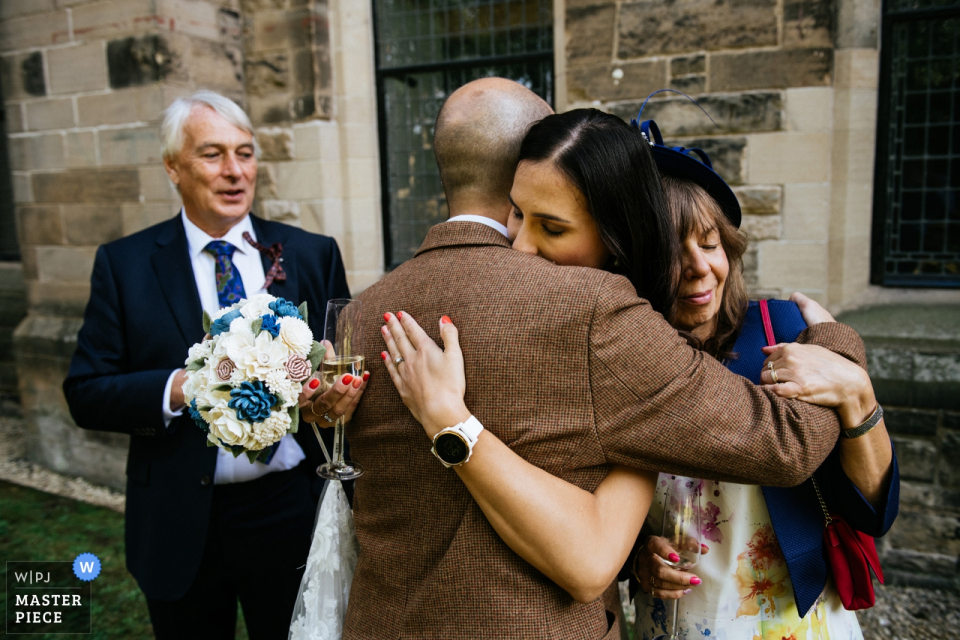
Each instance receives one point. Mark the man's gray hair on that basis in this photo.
(175, 117)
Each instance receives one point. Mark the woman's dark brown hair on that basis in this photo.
(694, 211)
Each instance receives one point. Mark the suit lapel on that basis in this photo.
(174, 270)
(267, 234)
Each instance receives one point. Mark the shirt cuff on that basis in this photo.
(169, 414)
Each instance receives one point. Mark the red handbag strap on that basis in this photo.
(767, 325)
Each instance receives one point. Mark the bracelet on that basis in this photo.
(867, 425)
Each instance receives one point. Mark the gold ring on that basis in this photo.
(653, 583)
(773, 372)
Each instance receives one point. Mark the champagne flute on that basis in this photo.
(681, 529)
(343, 331)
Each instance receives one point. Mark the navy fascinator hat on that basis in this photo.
(679, 162)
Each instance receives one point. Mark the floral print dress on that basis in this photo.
(746, 592)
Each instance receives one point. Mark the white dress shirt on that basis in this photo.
(490, 222)
(246, 260)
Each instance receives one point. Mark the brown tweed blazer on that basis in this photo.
(574, 372)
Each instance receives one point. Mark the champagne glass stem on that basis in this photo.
(673, 626)
(338, 443)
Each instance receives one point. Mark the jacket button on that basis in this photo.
(205, 481)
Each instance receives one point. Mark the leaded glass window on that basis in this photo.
(917, 196)
(426, 49)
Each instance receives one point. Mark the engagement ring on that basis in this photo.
(398, 360)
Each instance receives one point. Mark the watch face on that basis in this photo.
(451, 448)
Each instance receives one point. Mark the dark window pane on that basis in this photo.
(937, 175)
(928, 268)
(933, 238)
(907, 268)
(914, 141)
(938, 141)
(909, 237)
(912, 208)
(913, 174)
(940, 107)
(936, 208)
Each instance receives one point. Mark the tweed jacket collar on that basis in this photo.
(461, 234)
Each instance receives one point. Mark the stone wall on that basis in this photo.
(794, 108)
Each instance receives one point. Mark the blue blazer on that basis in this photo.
(794, 511)
(143, 315)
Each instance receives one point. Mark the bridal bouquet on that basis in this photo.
(243, 382)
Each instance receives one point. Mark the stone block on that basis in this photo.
(304, 181)
(116, 18)
(92, 224)
(655, 28)
(809, 109)
(780, 158)
(87, 185)
(949, 467)
(22, 188)
(917, 493)
(39, 224)
(589, 34)
(33, 152)
(275, 143)
(307, 142)
(688, 65)
(918, 562)
(760, 227)
(12, 117)
(192, 18)
(857, 69)
(733, 113)
(914, 530)
(806, 211)
(304, 78)
(689, 84)
(58, 298)
(759, 201)
(125, 147)
(858, 24)
(65, 264)
(142, 104)
(771, 69)
(79, 68)
(37, 30)
(267, 186)
(917, 458)
(281, 211)
(49, 114)
(808, 23)
(910, 422)
(274, 109)
(139, 60)
(280, 30)
(16, 8)
(726, 155)
(218, 66)
(155, 184)
(28, 257)
(951, 420)
(793, 265)
(267, 74)
(81, 149)
(21, 75)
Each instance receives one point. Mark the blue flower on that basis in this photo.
(271, 324)
(222, 323)
(195, 414)
(285, 308)
(252, 401)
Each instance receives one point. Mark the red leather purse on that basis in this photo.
(850, 554)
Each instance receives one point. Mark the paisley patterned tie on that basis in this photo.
(229, 285)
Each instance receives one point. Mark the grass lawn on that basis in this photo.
(40, 526)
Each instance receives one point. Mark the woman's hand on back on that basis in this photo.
(811, 310)
(657, 578)
(430, 380)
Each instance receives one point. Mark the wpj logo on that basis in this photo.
(50, 597)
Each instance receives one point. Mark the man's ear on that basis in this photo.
(173, 171)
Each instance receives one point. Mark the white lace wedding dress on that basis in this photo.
(325, 587)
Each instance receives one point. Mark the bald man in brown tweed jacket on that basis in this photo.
(568, 367)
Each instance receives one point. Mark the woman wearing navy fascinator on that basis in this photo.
(592, 191)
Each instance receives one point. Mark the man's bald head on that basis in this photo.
(477, 142)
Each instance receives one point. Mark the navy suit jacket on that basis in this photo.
(143, 315)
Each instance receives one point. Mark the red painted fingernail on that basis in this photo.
(400, 315)
(705, 547)
(673, 557)
(313, 384)
(445, 320)
(383, 354)
(695, 580)
(386, 317)
(357, 382)
(366, 376)
(347, 378)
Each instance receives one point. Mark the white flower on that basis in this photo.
(199, 351)
(221, 312)
(296, 334)
(257, 306)
(260, 357)
(225, 426)
(271, 430)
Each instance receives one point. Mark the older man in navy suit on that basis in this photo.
(204, 529)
